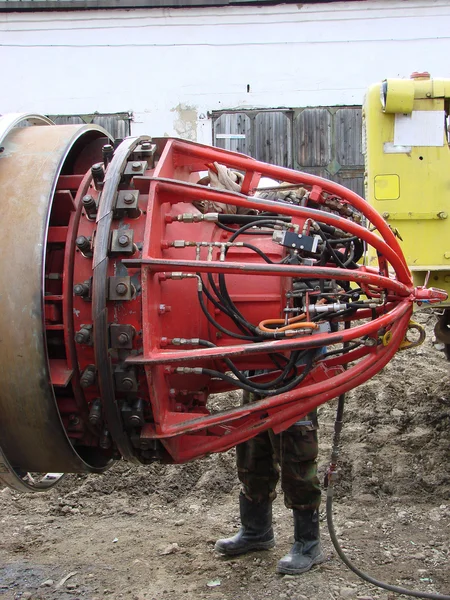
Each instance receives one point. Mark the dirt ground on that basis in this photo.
(148, 533)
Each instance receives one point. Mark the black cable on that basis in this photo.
(259, 386)
(218, 326)
(224, 295)
(341, 350)
(232, 230)
(330, 479)
(233, 312)
(337, 259)
(361, 574)
(256, 223)
(294, 383)
(258, 251)
(217, 303)
(244, 219)
(342, 240)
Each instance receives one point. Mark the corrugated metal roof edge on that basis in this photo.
(42, 5)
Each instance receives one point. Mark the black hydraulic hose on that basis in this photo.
(246, 380)
(232, 311)
(254, 223)
(361, 574)
(219, 327)
(258, 251)
(340, 350)
(294, 383)
(330, 479)
(244, 219)
(232, 230)
(223, 295)
(217, 303)
(337, 259)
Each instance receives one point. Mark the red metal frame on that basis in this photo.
(164, 308)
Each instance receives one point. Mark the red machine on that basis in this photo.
(132, 290)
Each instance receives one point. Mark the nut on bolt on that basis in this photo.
(123, 240)
(95, 414)
(88, 201)
(136, 166)
(83, 336)
(127, 384)
(81, 289)
(123, 338)
(89, 376)
(83, 243)
(121, 289)
(89, 206)
(128, 198)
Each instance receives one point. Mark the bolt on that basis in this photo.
(121, 289)
(127, 384)
(88, 377)
(95, 414)
(83, 243)
(123, 240)
(88, 202)
(83, 336)
(98, 175)
(108, 152)
(136, 166)
(123, 338)
(128, 198)
(146, 145)
(105, 440)
(80, 289)
(135, 421)
(442, 215)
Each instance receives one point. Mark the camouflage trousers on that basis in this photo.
(293, 453)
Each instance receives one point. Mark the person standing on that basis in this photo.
(260, 461)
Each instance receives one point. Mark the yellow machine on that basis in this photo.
(407, 153)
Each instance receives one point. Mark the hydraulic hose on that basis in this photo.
(329, 511)
(361, 574)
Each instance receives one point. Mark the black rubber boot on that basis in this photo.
(307, 550)
(256, 532)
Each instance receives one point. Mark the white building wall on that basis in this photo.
(170, 67)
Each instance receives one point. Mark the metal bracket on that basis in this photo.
(121, 336)
(122, 242)
(125, 380)
(135, 167)
(127, 202)
(120, 288)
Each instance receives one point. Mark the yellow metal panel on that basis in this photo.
(410, 184)
(387, 187)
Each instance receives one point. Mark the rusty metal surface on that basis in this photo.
(31, 432)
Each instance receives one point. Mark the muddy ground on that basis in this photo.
(148, 533)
